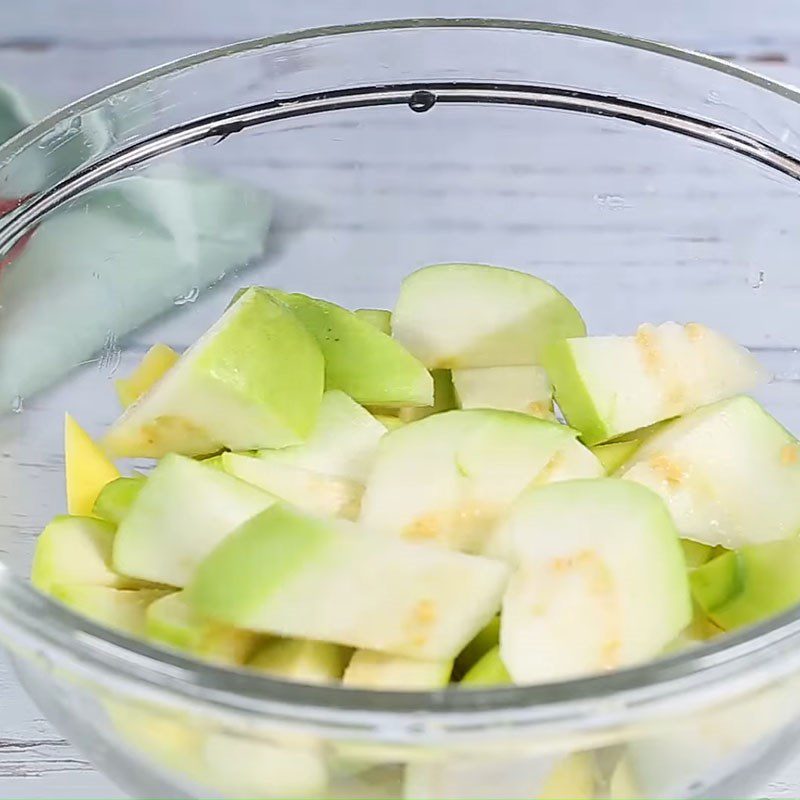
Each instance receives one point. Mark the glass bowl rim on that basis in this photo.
(35, 624)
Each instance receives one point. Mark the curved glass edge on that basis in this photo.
(33, 624)
(742, 661)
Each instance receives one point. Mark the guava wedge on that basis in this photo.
(729, 474)
(253, 380)
(521, 388)
(473, 315)
(385, 672)
(447, 479)
(116, 498)
(600, 581)
(609, 385)
(182, 513)
(295, 575)
(301, 660)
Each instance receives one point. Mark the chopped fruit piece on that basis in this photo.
(157, 361)
(609, 385)
(378, 318)
(342, 444)
(363, 362)
(695, 553)
(325, 495)
(614, 454)
(489, 670)
(473, 315)
(121, 609)
(248, 767)
(116, 498)
(723, 474)
(486, 638)
(301, 660)
(382, 671)
(525, 389)
(76, 550)
(600, 583)
(448, 478)
(254, 379)
(173, 622)
(183, 512)
(444, 398)
(291, 574)
(750, 584)
(87, 468)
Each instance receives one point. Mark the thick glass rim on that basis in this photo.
(33, 623)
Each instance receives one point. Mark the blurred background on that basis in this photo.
(54, 51)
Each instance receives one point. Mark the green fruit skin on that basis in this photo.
(444, 398)
(614, 454)
(116, 498)
(255, 563)
(696, 553)
(748, 585)
(487, 638)
(488, 671)
(571, 393)
(377, 317)
(363, 362)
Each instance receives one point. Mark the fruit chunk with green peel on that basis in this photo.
(76, 550)
(486, 638)
(254, 379)
(614, 454)
(181, 514)
(385, 672)
(116, 498)
(488, 671)
(729, 474)
(750, 584)
(301, 660)
(695, 553)
(157, 361)
(121, 609)
(86, 467)
(447, 479)
(377, 317)
(522, 388)
(295, 575)
(243, 766)
(444, 398)
(473, 315)
(172, 621)
(609, 385)
(361, 360)
(325, 495)
(600, 582)
(342, 443)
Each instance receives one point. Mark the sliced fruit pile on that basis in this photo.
(389, 500)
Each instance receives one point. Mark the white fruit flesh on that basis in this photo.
(326, 495)
(448, 478)
(729, 474)
(473, 315)
(294, 575)
(610, 385)
(247, 767)
(77, 550)
(184, 510)
(173, 622)
(525, 389)
(600, 580)
(254, 379)
(382, 671)
(301, 660)
(343, 442)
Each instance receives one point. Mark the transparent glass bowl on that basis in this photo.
(648, 183)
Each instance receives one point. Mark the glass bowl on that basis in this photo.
(646, 182)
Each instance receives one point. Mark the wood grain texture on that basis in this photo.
(57, 50)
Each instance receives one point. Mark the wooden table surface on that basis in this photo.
(58, 50)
